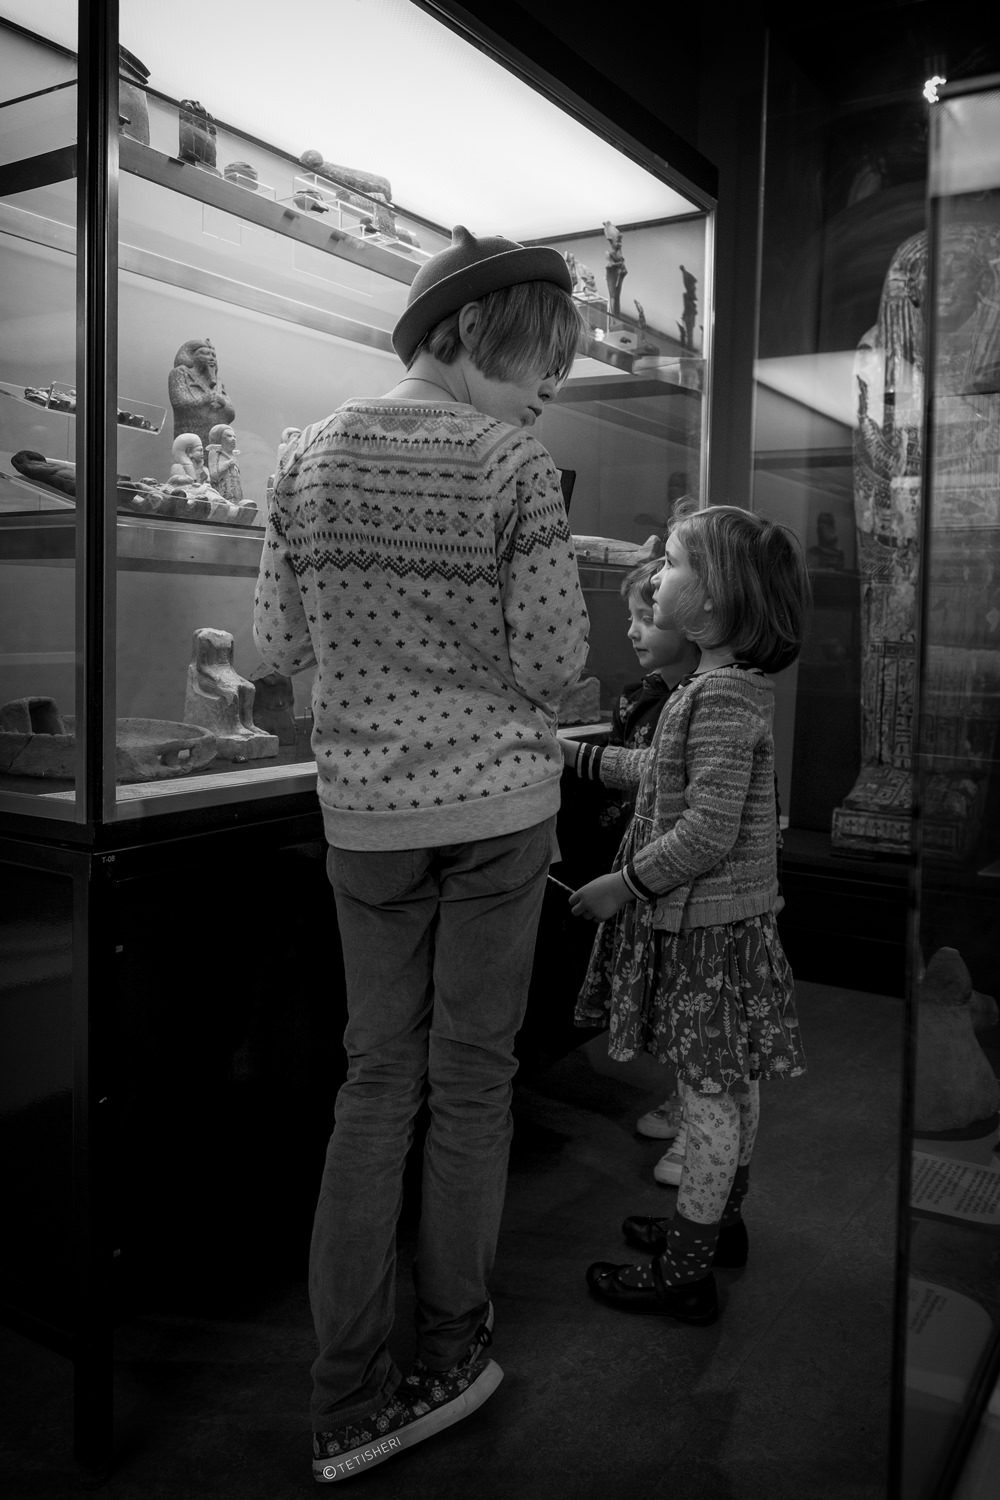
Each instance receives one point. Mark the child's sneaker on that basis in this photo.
(420, 1376)
(418, 1410)
(662, 1123)
(670, 1166)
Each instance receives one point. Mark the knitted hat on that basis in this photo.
(468, 269)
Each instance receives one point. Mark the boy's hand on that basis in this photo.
(601, 898)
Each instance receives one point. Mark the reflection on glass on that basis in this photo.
(952, 1346)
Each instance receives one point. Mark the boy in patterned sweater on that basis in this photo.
(418, 555)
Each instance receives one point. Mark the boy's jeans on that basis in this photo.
(438, 946)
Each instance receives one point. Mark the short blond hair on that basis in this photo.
(533, 327)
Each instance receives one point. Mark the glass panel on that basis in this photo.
(38, 517)
(258, 287)
(952, 1350)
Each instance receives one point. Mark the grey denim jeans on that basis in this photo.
(438, 946)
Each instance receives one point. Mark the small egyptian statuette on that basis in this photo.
(196, 136)
(197, 396)
(274, 705)
(242, 173)
(690, 311)
(220, 700)
(223, 470)
(616, 270)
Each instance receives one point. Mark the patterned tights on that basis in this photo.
(721, 1131)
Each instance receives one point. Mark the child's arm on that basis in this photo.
(610, 764)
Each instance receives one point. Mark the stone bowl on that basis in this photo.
(145, 750)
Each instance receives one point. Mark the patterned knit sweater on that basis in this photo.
(706, 845)
(420, 558)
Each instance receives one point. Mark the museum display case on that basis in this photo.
(252, 285)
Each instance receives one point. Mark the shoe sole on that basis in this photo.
(655, 1132)
(346, 1465)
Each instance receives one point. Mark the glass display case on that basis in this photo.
(953, 1322)
(252, 286)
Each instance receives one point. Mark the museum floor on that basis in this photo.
(786, 1396)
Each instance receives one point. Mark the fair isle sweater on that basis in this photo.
(706, 834)
(419, 557)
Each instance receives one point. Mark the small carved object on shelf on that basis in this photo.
(220, 700)
(955, 1089)
(242, 173)
(826, 555)
(57, 473)
(197, 134)
(689, 314)
(223, 470)
(616, 270)
(364, 190)
(133, 109)
(274, 704)
(197, 396)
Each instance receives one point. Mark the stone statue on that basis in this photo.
(616, 270)
(570, 260)
(588, 283)
(955, 1086)
(133, 107)
(690, 310)
(196, 129)
(274, 704)
(197, 395)
(59, 473)
(827, 555)
(365, 190)
(289, 437)
(960, 711)
(220, 700)
(223, 470)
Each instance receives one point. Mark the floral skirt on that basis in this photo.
(716, 1002)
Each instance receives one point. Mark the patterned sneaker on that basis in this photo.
(670, 1166)
(408, 1418)
(421, 1379)
(662, 1123)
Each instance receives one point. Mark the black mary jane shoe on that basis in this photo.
(648, 1234)
(696, 1302)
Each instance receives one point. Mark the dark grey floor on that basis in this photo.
(785, 1398)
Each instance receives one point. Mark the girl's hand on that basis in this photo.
(601, 898)
(570, 750)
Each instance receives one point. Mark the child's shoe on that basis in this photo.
(662, 1123)
(420, 1408)
(692, 1302)
(670, 1166)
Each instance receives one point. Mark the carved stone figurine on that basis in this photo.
(366, 190)
(616, 270)
(223, 470)
(189, 476)
(956, 1088)
(197, 395)
(274, 705)
(690, 312)
(196, 136)
(220, 700)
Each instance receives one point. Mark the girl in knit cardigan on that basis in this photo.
(687, 958)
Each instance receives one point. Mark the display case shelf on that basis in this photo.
(145, 544)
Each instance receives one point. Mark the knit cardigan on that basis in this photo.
(706, 790)
(419, 557)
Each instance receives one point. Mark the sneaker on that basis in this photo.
(421, 1377)
(662, 1123)
(670, 1166)
(412, 1415)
